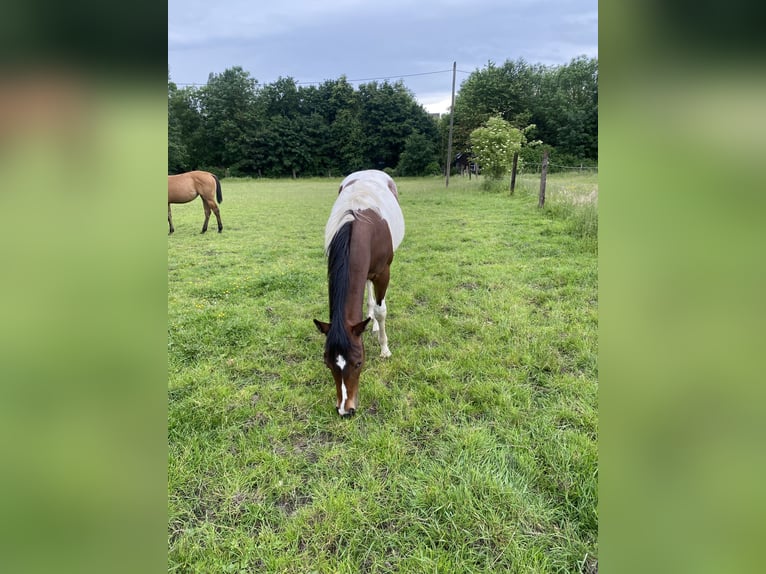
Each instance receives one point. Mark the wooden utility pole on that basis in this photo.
(451, 123)
(543, 175)
(513, 171)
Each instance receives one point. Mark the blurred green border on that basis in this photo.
(83, 343)
(682, 133)
(83, 409)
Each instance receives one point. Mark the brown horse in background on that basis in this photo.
(364, 229)
(185, 187)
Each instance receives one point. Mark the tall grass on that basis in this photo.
(572, 197)
(474, 448)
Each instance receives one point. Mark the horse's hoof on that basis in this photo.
(385, 354)
(348, 414)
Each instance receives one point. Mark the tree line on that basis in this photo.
(560, 101)
(234, 126)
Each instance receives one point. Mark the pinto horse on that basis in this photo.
(185, 187)
(364, 229)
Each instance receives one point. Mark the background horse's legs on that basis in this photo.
(170, 221)
(209, 206)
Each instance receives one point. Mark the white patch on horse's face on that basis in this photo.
(344, 396)
(341, 362)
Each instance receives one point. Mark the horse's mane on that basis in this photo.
(337, 274)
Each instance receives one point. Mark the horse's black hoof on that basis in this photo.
(350, 413)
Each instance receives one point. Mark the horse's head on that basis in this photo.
(344, 356)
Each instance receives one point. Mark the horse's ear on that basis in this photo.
(323, 327)
(358, 329)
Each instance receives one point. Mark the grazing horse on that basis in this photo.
(185, 187)
(364, 229)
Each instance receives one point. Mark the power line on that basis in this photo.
(385, 77)
(354, 80)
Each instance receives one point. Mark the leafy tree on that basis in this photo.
(333, 114)
(575, 108)
(418, 157)
(562, 101)
(281, 99)
(494, 145)
(348, 142)
(389, 114)
(504, 91)
(178, 154)
(314, 142)
(329, 98)
(228, 117)
(278, 147)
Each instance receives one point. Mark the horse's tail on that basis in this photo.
(218, 194)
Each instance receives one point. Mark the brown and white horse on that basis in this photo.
(364, 229)
(185, 187)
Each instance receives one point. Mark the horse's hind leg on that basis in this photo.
(371, 306)
(380, 315)
(207, 215)
(381, 285)
(170, 221)
(218, 217)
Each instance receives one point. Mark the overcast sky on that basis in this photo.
(413, 40)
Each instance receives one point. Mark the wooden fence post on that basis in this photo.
(543, 175)
(513, 171)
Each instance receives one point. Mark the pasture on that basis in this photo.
(474, 447)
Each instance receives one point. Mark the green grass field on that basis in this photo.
(474, 448)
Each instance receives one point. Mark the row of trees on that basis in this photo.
(561, 102)
(235, 126)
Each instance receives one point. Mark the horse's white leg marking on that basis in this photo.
(371, 306)
(380, 315)
(341, 362)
